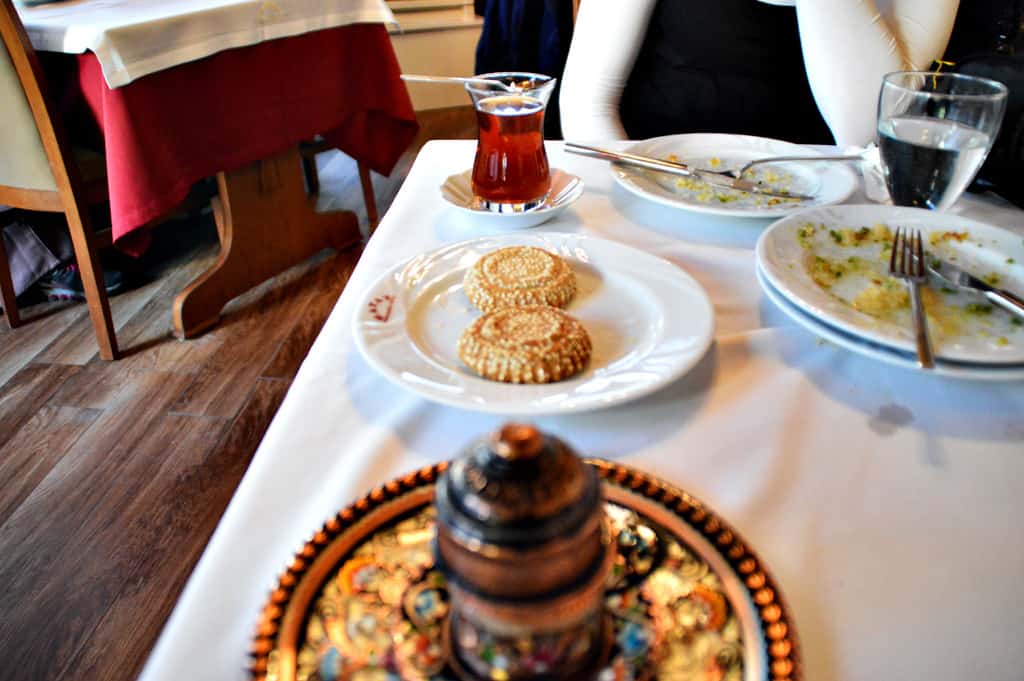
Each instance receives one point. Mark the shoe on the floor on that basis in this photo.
(65, 283)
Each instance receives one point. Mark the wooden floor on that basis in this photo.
(114, 475)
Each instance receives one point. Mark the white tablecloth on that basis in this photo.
(886, 502)
(133, 38)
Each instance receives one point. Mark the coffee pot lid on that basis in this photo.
(517, 488)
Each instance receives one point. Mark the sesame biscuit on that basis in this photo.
(533, 344)
(517, 276)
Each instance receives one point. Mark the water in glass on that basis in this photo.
(934, 132)
(929, 162)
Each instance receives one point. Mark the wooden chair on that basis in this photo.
(308, 152)
(38, 172)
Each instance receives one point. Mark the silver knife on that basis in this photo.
(958, 278)
(717, 179)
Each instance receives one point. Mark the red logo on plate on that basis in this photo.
(380, 307)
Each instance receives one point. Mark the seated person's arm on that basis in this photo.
(605, 44)
(849, 45)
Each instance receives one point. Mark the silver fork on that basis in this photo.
(907, 263)
(738, 174)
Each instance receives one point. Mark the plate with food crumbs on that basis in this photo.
(833, 264)
(884, 353)
(827, 182)
(630, 324)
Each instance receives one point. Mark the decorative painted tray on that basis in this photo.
(687, 598)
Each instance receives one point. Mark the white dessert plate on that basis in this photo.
(828, 182)
(648, 320)
(565, 189)
(832, 263)
(907, 360)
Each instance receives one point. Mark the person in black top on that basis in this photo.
(808, 72)
(734, 67)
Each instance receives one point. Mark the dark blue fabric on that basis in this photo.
(526, 35)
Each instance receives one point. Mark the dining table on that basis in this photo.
(182, 90)
(885, 502)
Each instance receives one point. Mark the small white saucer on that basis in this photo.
(565, 189)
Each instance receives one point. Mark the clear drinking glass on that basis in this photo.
(510, 172)
(934, 132)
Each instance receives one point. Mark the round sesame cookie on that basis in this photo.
(517, 276)
(533, 344)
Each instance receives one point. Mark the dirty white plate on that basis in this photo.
(828, 182)
(565, 189)
(882, 353)
(649, 322)
(964, 327)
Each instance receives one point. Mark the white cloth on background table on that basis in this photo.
(885, 501)
(133, 38)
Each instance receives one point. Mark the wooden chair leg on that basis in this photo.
(7, 296)
(368, 196)
(95, 291)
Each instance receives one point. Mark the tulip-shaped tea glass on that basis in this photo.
(510, 172)
(934, 132)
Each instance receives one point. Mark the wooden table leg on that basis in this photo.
(368, 196)
(266, 223)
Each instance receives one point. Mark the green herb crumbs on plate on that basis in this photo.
(978, 308)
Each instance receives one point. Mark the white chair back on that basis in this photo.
(23, 161)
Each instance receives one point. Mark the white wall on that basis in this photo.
(436, 37)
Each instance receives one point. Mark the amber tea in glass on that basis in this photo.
(510, 172)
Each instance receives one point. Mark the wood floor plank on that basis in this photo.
(148, 343)
(90, 484)
(293, 350)
(77, 344)
(99, 386)
(33, 451)
(26, 393)
(255, 329)
(146, 338)
(19, 346)
(180, 519)
(65, 556)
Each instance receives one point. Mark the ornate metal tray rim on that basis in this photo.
(779, 638)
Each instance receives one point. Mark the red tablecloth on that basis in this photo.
(164, 132)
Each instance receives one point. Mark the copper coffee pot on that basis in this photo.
(524, 545)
